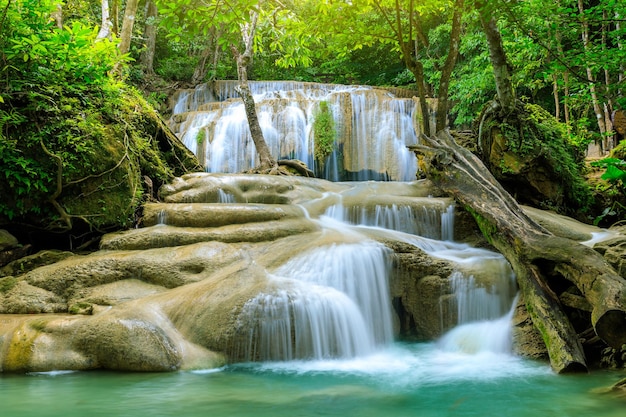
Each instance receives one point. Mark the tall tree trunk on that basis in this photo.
(608, 105)
(244, 60)
(410, 53)
(105, 26)
(417, 69)
(622, 67)
(590, 77)
(57, 15)
(446, 72)
(212, 49)
(147, 55)
(537, 256)
(127, 26)
(115, 16)
(555, 93)
(566, 109)
(502, 76)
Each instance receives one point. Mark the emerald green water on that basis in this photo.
(405, 380)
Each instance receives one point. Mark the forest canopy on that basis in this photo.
(567, 56)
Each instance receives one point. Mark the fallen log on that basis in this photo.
(538, 257)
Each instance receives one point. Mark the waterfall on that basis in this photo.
(431, 221)
(372, 128)
(333, 302)
(485, 336)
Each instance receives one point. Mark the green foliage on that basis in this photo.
(533, 138)
(324, 131)
(7, 284)
(74, 139)
(553, 143)
(615, 172)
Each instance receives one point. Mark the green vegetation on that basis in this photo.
(324, 131)
(7, 284)
(615, 176)
(75, 141)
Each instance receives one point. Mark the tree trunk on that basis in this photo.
(497, 56)
(127, 26)
(105, 26)
(555, 94)
(446, 72)
(566, 110)
(201, 70)
(592, 86)
(243, 61)
(537, 257)
(418, 71)
(409, 52)
(147, 56)
(57, 15)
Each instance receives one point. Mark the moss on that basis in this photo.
(486, 228)
(38, 324)
(533, 144)
(81, 308)
(87, 161)
(20, 349)
(324, 129)
(7, 284)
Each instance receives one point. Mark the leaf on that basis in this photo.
(613, 173)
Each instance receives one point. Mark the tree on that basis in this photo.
(127, 26)
(581, 73)
(539, 258)
(147, 55)
(242, 25)
(105, 26)
(501, 73)
(244, 60)
(406, 24)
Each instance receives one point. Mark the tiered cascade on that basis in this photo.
(371, 128)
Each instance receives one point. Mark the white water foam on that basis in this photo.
(382, 127)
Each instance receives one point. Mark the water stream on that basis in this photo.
(324, 345)
(371, 128)
(342, 359)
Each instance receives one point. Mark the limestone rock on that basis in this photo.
(614, 251)
(7, 240)
(527, 341)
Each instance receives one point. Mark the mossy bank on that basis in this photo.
(77, 165)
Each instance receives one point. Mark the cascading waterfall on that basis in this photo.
(333, 303)
(427, 221)
(372, 128)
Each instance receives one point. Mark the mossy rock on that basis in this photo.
(529, 153)
(91, 163)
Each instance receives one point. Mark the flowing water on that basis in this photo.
(343, 361)
(371, 128)
(323, 345)
(403, 380)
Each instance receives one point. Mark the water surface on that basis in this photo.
(403, 380)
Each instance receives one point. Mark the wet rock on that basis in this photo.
(28, 263)
(527, 341)
(7, 240)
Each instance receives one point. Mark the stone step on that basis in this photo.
(162, 236)
(216, 214)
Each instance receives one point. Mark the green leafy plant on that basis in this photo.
(615, 174)
(324, 129)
